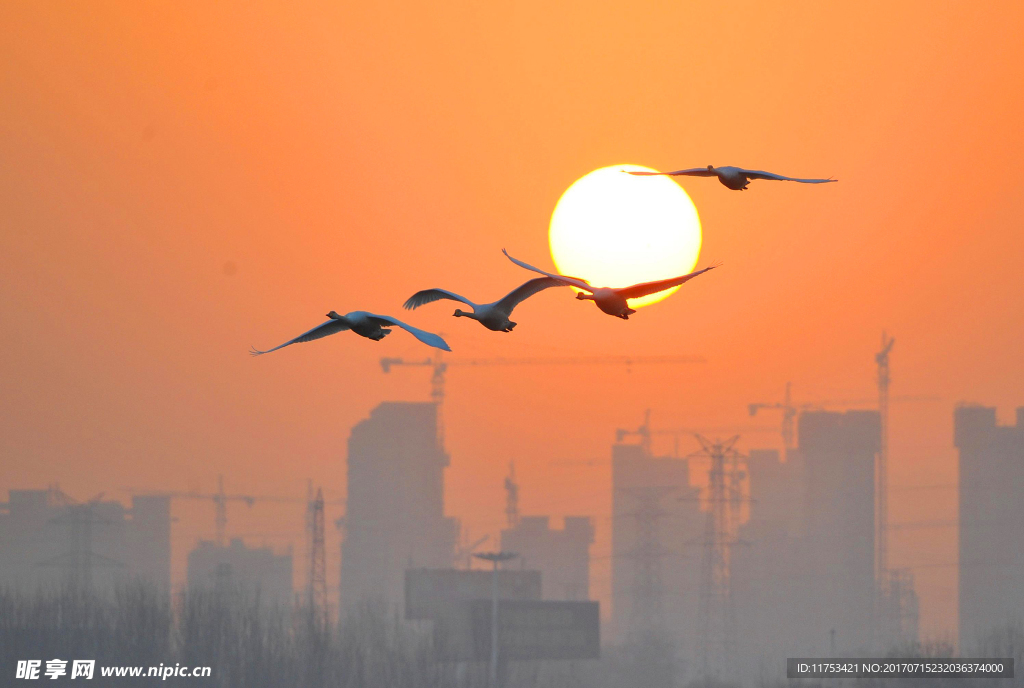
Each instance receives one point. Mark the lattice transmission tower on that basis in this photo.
(316, 583)
(647, 594)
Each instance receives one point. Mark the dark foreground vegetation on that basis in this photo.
(249, 644)
(246, 643)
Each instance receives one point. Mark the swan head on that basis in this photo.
(580, 296)
(711, 168)
(333, 315)
(459, 313)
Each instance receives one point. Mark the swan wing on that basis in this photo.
(526, 290)
(648, 288)
(692, 172)
(759, 174)
(574, 281)
(426, 296)
(318, 332)
(422, 335)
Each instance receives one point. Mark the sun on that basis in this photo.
(615, 229)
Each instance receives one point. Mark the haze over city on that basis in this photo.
(181, 183)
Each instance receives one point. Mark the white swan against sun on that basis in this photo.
(493, 316)
(613, 301)
(735, 178)
(364, 324)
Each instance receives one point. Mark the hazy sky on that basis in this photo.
(179, 181)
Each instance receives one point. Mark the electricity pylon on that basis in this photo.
(647, 594)
(80, 559)
(316, 583)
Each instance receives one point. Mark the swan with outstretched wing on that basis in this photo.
(735, 178)
(610, 300)
(494, 316)
(368, 325)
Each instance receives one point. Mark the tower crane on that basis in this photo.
(511, 496)
(791, 410)
(645, 432)
(220, 500)
(882, 472)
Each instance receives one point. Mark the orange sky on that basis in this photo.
(342, 155)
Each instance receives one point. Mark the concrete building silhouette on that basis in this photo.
(29, 536)
(394, 516)
(236, 567)
(151, 540)
(656, 525)
(838, 452)
(769, 576)
(803, 580)
(561, 555)
(48, 539)
(991, 523)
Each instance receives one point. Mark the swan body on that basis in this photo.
(610, 300)
(368, 325)
(735, 178)
(494, 316)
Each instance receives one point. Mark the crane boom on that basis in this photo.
(220, 500)
(440, 364)
(645, 432)
(791, 410)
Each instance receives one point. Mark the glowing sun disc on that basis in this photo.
(614, 229)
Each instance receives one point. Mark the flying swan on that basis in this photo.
(493, 316)
(365, 325)
(735, 178)
(613, 301)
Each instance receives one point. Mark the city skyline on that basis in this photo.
(180, 185)
(187, 537)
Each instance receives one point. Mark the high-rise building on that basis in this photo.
(838, 451)
(803, 577)
(394, 516)
(29, 539)
(767, 575)
(991, 524)
(151, 535)
(656, 527)
(561, 555)
(236, 567)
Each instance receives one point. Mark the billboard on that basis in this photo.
(458, 603)
(532, 629)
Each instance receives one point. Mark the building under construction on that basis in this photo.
(257, 572)
(49, 539)
(394, 516)
(768, 575)
(656, 521)
(562, 555)
(991, 526)
(839, 451)
(804, 578)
